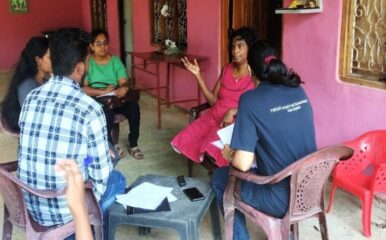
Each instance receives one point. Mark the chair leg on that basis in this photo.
(366, 215)
(295, 230)
(190, 167)
(7, 225)
(98, 232)
(115, 133)
(323, 226)
(332, 194)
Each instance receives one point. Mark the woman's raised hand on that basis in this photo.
(192, 67)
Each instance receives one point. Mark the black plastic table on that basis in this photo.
(185, 216)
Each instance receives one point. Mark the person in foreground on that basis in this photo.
(235, 79)
(106, 73)
(32, 70)
(59, 121)
(75, 197)
(275, 124)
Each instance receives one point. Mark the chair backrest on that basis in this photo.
(369, 148)
(309, 176)
(13, 197)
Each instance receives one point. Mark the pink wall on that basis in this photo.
(43, 15)
(311, 46)
(203, 39)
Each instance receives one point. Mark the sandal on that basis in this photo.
(122, 153)
(117, 153)
(136, 153)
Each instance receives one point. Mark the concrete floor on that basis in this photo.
(344, 223)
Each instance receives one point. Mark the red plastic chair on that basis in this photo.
(308, 179)
(15, 211)
(364, 174)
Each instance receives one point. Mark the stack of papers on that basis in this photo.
(225, 135)
(146, 196)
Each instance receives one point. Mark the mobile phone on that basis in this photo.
(193, 194)
(181, 181)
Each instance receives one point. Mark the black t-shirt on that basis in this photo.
(276, 123)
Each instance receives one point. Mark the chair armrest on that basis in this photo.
(338, 152)
(195, 111)
(10, 166)
(249, 176)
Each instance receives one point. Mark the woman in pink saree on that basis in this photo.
(235, 79)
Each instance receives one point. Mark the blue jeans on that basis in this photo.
(116, 184)
(271, 199)
(219, 184)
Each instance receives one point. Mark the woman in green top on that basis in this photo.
(106, 73)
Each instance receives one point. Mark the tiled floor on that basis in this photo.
(343, 223)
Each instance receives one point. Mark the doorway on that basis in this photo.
(125, 32)
(256, 14)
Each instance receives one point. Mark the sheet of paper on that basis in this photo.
(145, 195)
(171, 197)
(107, 94)
(225, 134)
(218, 144)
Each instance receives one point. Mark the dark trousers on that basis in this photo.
(131, 111)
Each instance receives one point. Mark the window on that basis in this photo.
(99, 14)
(363, 43)
(169, 22)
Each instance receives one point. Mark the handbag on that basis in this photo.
(111, 102)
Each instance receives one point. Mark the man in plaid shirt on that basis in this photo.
(59, 121)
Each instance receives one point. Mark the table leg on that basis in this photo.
(191, 233)
(215, 220)
(111, 230)
(158, 96)
(167, 84)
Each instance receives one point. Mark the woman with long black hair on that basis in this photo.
(31, 71)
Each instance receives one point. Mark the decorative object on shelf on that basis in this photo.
(304, 4)
(170, 47)
(18, 6)
(301, 7)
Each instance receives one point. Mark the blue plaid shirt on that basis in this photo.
(57, 121)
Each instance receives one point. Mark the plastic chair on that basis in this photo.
(16, 213)
(364, 174)
(308, 178)
(208, 162)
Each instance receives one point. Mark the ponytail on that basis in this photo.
(277, 73)
(266, 65)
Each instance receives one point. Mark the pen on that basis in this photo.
(87, 160)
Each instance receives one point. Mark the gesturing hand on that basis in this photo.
(192, 67)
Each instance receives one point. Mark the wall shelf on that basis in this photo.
(300, 10)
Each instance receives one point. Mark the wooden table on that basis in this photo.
(156, 58)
